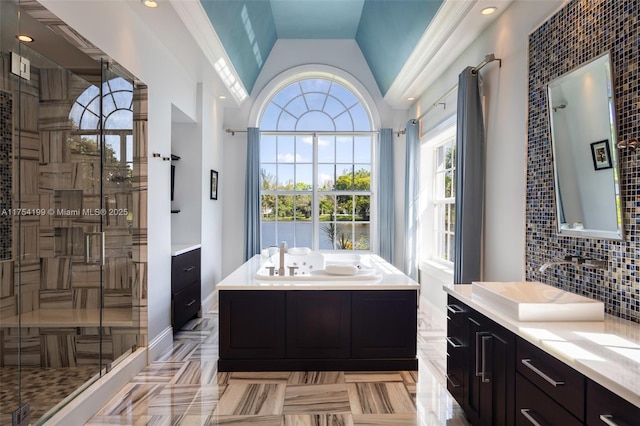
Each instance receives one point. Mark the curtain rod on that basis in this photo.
(301, 132)
(487, 59)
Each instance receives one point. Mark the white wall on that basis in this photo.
(285, 55)
(506, 90)
(133, 36)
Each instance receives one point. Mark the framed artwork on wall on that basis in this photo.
(601, 155)
(214, 185)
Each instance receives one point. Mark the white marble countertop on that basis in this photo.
(180, 248)
(244, 278)
(608, 352)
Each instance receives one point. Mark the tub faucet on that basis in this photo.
(283, 250)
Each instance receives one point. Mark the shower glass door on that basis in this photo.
(71, 271)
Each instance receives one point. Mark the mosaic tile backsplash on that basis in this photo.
(6, 173)
(579, 32)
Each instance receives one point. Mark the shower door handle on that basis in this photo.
(94, 251)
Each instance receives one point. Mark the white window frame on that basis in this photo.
(363, 99)
(430, 262)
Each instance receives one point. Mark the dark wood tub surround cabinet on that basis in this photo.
(297, 330)
(185, 287)
(499, 378)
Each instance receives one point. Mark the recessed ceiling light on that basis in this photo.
(24, 38)
(489, 10)
(150, 3)
(411, 98)
(222, 97)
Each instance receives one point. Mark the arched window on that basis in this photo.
(316, 160)
(114, 108)
(117, 106)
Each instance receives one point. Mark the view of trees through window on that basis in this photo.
(115, 103)
(316, 157)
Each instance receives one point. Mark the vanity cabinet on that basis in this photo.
(556, 380)
(499, 378)
(480, 365)
(457, 350)
(606, 408)
(302, 330)
(490, 395)
(185, 287)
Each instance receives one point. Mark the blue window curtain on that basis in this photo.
(386, 210)
(252, 195)
(470, 172)
(411, 177)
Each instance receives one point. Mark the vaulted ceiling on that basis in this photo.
(406, 43)
(387, 31)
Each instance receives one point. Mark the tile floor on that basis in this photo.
(42, 388)
(184, 388)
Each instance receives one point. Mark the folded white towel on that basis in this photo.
(341, 269)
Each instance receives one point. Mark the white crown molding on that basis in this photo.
(197, 22)
(456, 25)
(444, 23)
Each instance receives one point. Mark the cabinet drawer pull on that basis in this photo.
(189, 269)
(607, 419)
(191, 303)
(455, 309)
(527, 363)
(484, 373)
(454, 343)
(527, 413)
(452, 381)
(474, 321)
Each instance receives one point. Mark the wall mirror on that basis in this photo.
(585, 159)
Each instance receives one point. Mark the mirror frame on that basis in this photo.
(590, 233)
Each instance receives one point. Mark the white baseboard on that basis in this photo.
(209, 302)
(89, 402)
(161, 343)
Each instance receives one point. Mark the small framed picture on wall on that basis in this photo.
(214, 185)
(601, 155)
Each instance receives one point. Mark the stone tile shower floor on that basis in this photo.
(184, 388)
(42, 388)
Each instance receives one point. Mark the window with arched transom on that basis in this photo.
(106, 111)
(316, 157)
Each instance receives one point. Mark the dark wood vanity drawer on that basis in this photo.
(456, 341)
(455, 377)
(603, 405)
(186, 304)
(561, 382)
(533, 405)
(456, 310)
(185, 269)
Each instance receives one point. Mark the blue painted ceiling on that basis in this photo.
(387, 31)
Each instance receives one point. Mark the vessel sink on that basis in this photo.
(535, 301)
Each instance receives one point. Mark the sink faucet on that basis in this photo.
(283, 250)
(546, 265)
(575, 260)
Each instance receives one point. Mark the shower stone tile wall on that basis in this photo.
(579, 32)
(59, 170)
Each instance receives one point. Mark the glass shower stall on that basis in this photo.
(72, 213)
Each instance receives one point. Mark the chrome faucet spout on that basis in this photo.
(546, 265)
(575, 260)
(283, 250)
